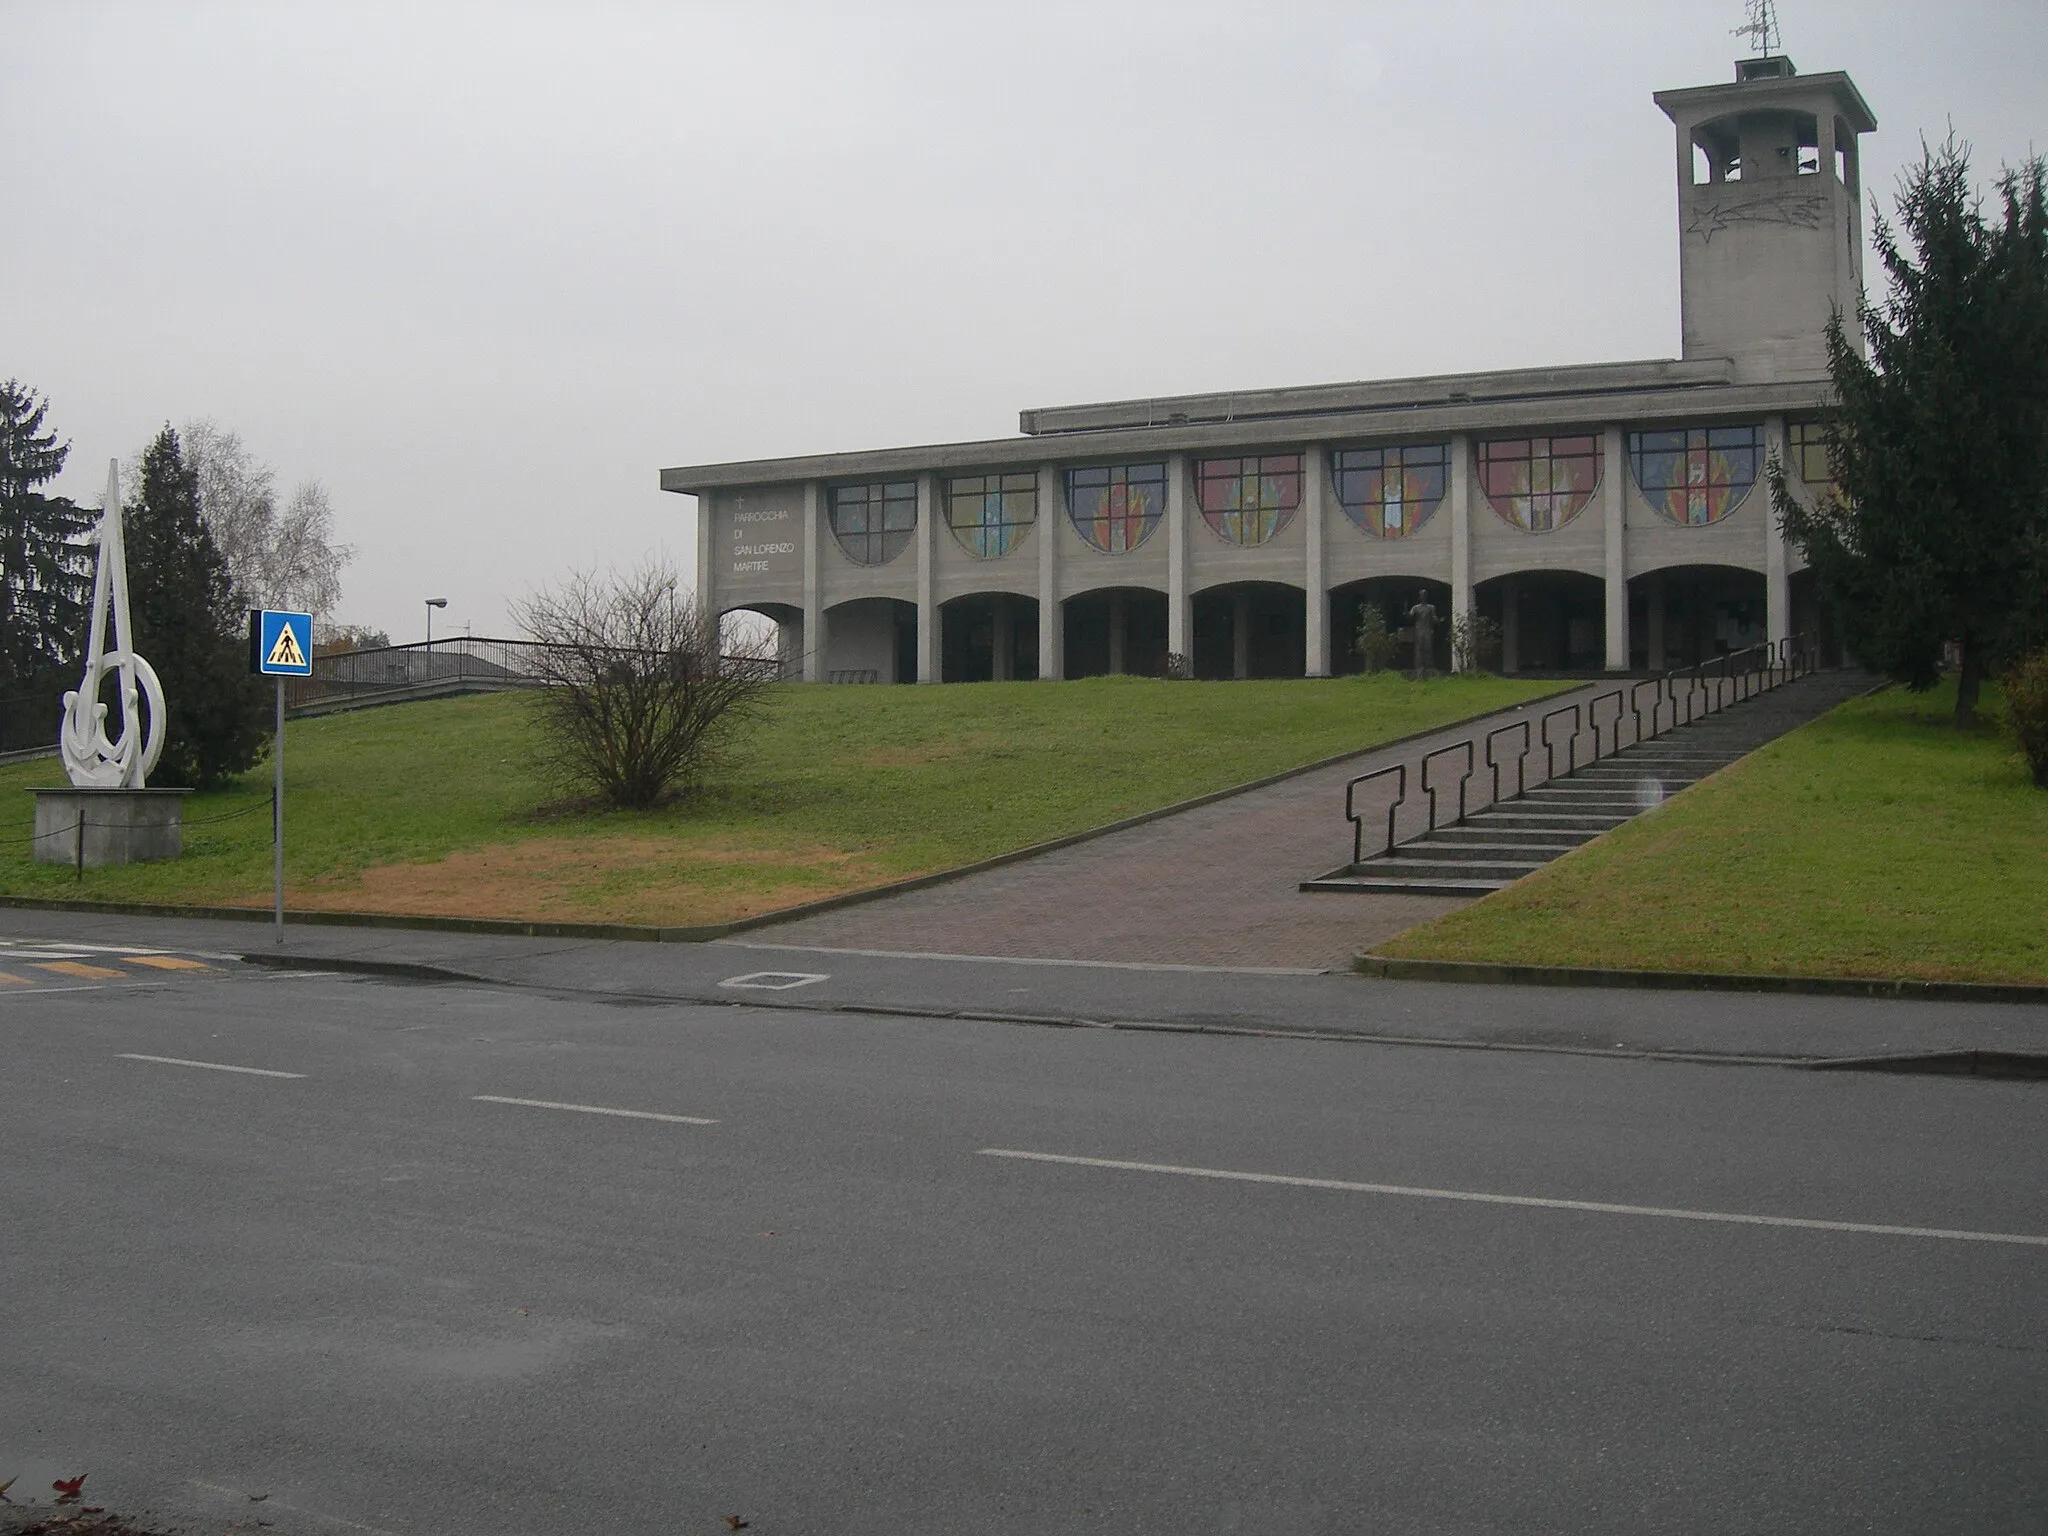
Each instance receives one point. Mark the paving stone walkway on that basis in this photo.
(1215, 885)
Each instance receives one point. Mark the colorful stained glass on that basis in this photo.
(1390, 492)
(990, 513)
(1539, 484)
(1696, 475)
(1115, 507)
(1247, 501)
(873, 523)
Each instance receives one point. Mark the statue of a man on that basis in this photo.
(1423, 617)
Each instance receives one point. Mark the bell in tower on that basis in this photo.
(1769, 215)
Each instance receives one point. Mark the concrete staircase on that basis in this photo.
(1497, 845)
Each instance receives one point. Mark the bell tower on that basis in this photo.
(1770, 223)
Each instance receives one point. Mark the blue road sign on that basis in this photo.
(280, 644)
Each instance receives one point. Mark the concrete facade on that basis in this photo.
(1609, 516)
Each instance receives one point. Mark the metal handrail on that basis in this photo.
(1351, 807)
(1430, 789)
(1571, 755)
(1718, 682)
(1521, 757)
(1593, 721)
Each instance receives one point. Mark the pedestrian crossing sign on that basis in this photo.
(280, 644)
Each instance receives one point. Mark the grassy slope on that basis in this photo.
(434, 808)
(1877, 841)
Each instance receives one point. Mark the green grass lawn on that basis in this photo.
(435, 808)
(1877, 841)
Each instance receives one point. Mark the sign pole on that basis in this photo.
(277, 816)
(280, 646)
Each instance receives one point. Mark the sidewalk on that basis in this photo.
(1712, 1025)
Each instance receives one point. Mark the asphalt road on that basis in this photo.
(386, 1279)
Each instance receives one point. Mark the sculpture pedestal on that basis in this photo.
(93, 828)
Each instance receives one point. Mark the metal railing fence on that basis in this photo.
(1672, 699)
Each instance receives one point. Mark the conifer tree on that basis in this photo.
(1939, 528)
(191, 626)
(45, 572)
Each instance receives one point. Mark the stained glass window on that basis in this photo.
(1115, 507)
(989, 513)
(1807, 443)
(1696, 475)
(873, 522)
(1390, 492)
(1539, 483)
(1247, 501)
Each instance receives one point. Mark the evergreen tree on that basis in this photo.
(45, 573)
(191, 627)
(1939, 530)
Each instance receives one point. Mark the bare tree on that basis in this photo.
(639, 701)
(285, 559)
(237, 497)
(302, 571)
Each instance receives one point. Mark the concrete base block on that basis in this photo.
(98, 827)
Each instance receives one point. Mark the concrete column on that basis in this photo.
(1118, 629)
(1614, 504)
(927, 562)
(1777, 576)
(1052, 513)
(1240, 634)
(1510, 625)
(1654, 622)
(1180, 629)
(1002, 636)
(1316, 636)
(1460, 498)
(707, 580)
(814, 606)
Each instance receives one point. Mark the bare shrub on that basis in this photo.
(639, 699)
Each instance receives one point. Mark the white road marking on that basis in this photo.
(774, 981)
(1600, 1207)
(1088, 965)
(211, 1066)
(594, 1109)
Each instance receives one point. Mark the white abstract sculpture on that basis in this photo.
(92, 760)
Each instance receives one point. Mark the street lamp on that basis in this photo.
(432, 604)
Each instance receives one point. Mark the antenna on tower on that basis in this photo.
(1761, 27)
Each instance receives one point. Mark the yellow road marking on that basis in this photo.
(16, 981)
(77, 968)
(169, 963)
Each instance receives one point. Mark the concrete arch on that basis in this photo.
(1680, 615)
(1244, 629)
(1550, 620)
(870, 640)
(988, 637)
(1393, 596)
(739, 638)
(1114, 630)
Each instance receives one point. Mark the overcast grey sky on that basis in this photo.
(484, 270)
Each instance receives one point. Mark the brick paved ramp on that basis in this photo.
(1211, 886)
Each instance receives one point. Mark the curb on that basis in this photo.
(403, 971)
(1483, 974)
(705, 932)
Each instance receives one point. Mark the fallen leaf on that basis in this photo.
(67, 1488)
(737, 1523)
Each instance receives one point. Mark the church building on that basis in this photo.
(1611, 516)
